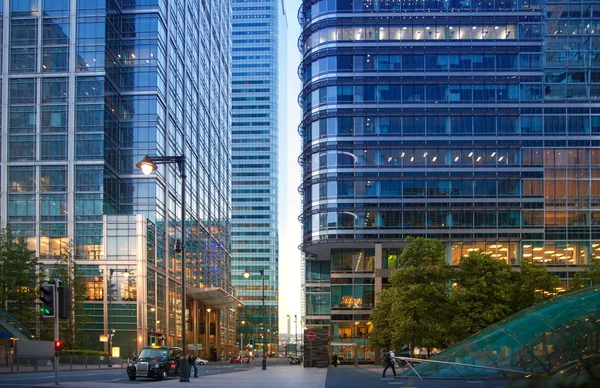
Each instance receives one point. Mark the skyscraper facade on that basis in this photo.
(475, 123)
(88, 88)
(254, 153)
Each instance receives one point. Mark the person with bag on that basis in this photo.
(192, 359)
(335, 360)
(389, 361)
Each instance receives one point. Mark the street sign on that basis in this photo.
(195, 347)
(311, 335)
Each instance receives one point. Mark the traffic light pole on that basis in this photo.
(56, 321)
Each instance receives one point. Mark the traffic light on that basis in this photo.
(57, 347)
(153, 340)
(251, 343)
(47, 298)
(64, 302)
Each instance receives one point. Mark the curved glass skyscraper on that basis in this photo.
(475, 123)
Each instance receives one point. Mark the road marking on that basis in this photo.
(116, 379)
(90, 374)
(48, 377)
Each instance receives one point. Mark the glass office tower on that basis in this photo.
(475, 123)
(88, 88)
(254, 153)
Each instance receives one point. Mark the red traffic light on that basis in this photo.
(57, 346)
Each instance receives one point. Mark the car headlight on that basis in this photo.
(131, 364)
(156, 366)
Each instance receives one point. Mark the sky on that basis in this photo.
(290, 236)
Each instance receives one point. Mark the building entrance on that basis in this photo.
(347, 352)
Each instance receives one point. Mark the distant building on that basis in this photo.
(256, 34)
(475, 123)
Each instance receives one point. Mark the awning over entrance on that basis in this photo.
(214, 297)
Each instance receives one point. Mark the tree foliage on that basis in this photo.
(591, 272)
(534, 284)
(431, 304)
(481, 294)
(18, 278)
(420, 295)
(383, 323)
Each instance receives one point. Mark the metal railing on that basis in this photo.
(408, 361)
(46, 363)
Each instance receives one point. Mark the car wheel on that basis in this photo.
(132, 378)
(163, 375)
(201, 363)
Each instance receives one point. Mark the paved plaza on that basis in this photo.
(291, 376)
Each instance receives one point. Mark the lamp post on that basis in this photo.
(242, 341)
(147, 165)
(111, 331)
(296, 332)
(262, 275)
(208, 310)
(288, 330)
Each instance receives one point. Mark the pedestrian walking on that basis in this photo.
(389, 361)
(193, 362)
(335, 360)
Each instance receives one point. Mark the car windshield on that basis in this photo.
(153, 353)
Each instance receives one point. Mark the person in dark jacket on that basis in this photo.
(335, 360)
(192, 359)
(389, 361)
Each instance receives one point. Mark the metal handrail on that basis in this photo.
(454, 364)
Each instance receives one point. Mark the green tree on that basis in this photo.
(532, 285)
(591, 272)
(481, 295)
(18, 278)
(382, 333)
(421, 295)
(66, 270)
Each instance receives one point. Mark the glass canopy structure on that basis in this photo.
(561, 335)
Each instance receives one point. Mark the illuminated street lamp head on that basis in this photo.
(246, 274)
(147, 165)
(208, 309)
(126, 273)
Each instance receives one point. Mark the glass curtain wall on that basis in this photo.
(440, 120)
(89, 91)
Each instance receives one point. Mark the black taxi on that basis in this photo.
(157, 362)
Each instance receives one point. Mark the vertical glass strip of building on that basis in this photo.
(475, 123)
(89, 88)
(255, 126)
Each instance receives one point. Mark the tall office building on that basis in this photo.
(254, 154)
(88, 89)
(472, 122)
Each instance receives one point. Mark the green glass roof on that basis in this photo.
(559, 335)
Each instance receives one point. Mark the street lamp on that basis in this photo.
(296, 332)
(262, 275)
(147, 165)
(111, 332)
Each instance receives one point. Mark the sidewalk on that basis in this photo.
(284, 376)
